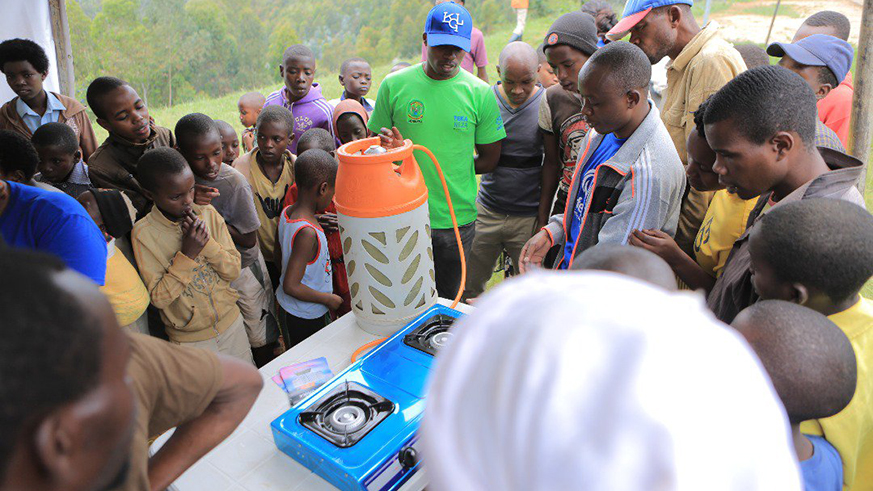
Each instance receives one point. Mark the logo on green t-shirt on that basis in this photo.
(415, 111)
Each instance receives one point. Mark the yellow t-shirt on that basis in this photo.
(724, 223)
(851, 430)
(125, 290)
(268, 198)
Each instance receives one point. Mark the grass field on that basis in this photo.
(224, 107)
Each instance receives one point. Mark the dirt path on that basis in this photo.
(740, 26)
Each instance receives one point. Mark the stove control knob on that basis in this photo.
(408, 457)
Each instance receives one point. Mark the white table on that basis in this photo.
(249, 460)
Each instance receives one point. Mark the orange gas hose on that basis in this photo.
(454, 223)
(457, 238)
(365, 347)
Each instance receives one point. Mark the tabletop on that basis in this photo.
(248, 460)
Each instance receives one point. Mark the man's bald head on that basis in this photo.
(517, 70)
(520, 54)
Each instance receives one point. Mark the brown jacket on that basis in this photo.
(73, 116)
(733, 291)
(194, 296)
(173, 385)
(703, 66)
(113, 165)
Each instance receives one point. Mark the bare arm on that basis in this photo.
(246, 241)
(240, 386)
(683, 265)
(550, 179)
(303, 250)
(489, 155)
(482, 73)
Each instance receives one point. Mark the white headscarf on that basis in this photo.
(596, 381)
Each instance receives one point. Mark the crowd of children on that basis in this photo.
(737, 186)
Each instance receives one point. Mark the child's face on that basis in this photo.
(350, 127)
(566, 63)
(248, 115)
(744, 167)
(764, 278)
(298, 74)
(700, 159)
(204, 154)
(273, 139)
(356, 79)
(546, 75)
(88, 202)
(126, 115)
(604, 107)
(174, 194)
(55, 163)
(229, 146)
(23, 79)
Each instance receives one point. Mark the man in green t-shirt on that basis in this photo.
(452, 113)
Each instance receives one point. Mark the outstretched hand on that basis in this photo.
(391, 138)
(534, 251)
(203, 195)
(656, 241)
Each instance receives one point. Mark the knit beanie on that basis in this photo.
(575, 29)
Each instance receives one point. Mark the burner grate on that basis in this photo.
(346, 414)
(431, 336)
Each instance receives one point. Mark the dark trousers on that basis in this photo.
(299, 328)
(447, 261)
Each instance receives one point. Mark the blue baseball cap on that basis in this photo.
(634, 11)
(449, 24)
(818, 50)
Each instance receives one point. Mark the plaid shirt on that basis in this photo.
(77, 182)
(825, 137)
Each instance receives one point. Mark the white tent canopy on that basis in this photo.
(29, 19)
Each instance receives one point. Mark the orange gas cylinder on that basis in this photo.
(369, 186)
(384, 225)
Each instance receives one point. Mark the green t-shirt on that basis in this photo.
(449, 117)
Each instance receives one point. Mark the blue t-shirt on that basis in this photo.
(57, 224)
(824, 470)
(607, 148)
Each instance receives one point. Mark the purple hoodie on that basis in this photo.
(313, 111)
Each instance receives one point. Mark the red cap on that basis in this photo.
(627, 23)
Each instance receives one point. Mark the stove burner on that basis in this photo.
(346, 414)
(431, 336)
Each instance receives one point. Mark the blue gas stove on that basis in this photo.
(358, 431)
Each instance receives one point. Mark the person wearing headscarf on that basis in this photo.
(350, 120)
(558, 382)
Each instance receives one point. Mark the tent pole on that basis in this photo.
(61, 35)
(772, 21)
(862, 104)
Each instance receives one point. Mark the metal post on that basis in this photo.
(772, 21)
(706, 12)
(61, 35)
(862, 109)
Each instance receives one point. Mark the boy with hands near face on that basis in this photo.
(187, 259)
